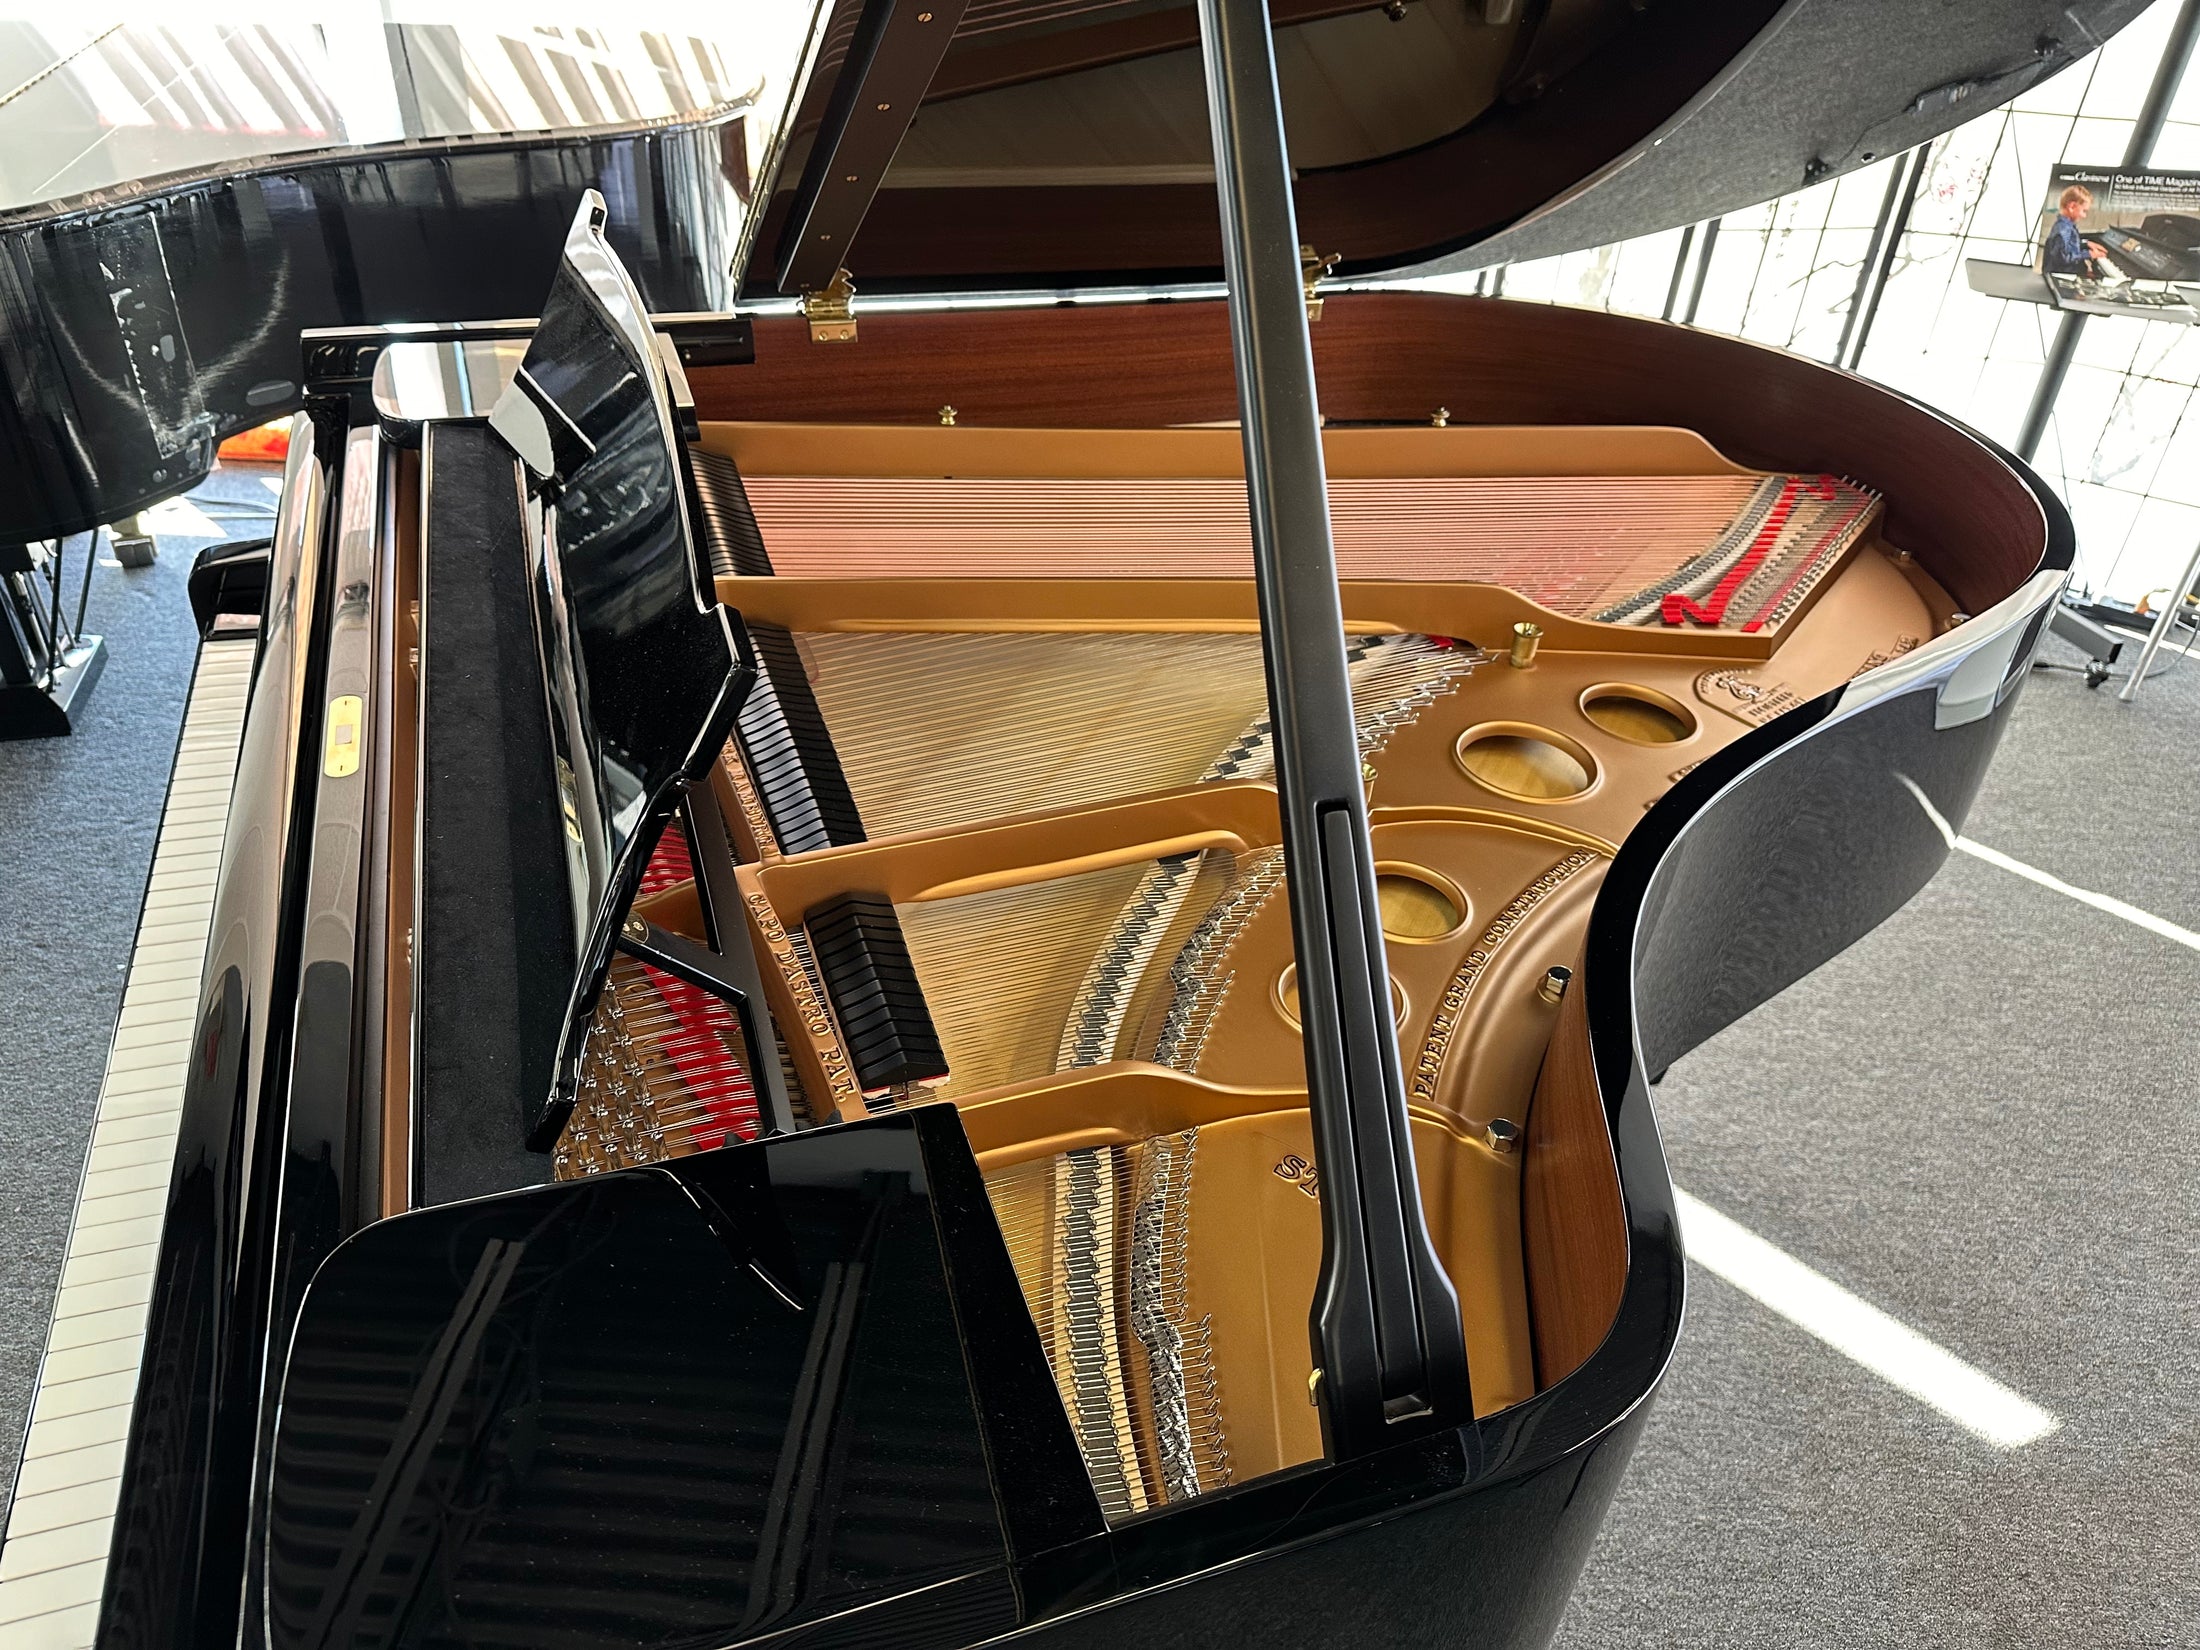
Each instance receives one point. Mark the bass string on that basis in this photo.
(660, 1076)
(1575, 544)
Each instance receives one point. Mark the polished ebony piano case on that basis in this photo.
(857, 999)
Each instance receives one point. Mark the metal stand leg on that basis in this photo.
(2162, 621)
(2101, 644)
(46, 670)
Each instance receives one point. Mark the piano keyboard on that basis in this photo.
(53, 1559)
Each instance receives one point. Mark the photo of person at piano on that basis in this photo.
(2065, 251)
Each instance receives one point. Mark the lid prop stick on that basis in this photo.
(1389, 1354)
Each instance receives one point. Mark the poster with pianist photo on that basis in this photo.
(2113, 241)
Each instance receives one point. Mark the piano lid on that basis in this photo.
(108, 107)
(1017, 144)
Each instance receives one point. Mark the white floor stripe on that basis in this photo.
(2047, 879)
(1892, 1350)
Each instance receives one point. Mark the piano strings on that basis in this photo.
(1608, 548)
(663, 1072)
(872, 734)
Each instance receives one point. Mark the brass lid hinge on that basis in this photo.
(1312, 267)
(831, 313)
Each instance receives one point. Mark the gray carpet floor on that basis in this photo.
(1983, 1119)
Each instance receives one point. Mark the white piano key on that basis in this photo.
(181, 925)
(110, 1179)
(115, 1234)
(94, 1426)
(162, 996)
(110, 1204)
(145, 992)
(159, 1057)
(186, 865)
(127, 1177)
(196, 764)
(78, 1363)
(59, 1509)
(79, 1270)
(153, 1025)
(57, 1399)
(50, 1593)
(162, 1020)
(199, 846)
(104, 1296)
(161, 1010)
(178, 876)
(72, 1544)
(177, 881)
(180, 951)
(119, 1154)
(122, 1154)
(176, 897)
(164, 974)
(142, 1102)
(67, 1468)
(127, 1206)
(161, 1125)
(53, 1562)
(70, 1629)
(197, 842)
(121, 1085)
(184, 814)
(91, 1328)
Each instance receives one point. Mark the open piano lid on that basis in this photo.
(1061, 143)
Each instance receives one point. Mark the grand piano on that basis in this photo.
(902, 969)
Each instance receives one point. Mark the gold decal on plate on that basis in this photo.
(1430, 1066)
(1301, 1174)
(752, 808)
(1887, 655)
(1743, 696)
(839, 1079)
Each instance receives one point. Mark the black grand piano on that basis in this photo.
(906, 969)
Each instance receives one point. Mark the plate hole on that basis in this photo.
(1287, 997)
(1416, 906)
(1640, 715)
(1531, 763)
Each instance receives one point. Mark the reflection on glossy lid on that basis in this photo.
(141, 91)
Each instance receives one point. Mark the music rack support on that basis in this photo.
(1389, 1353)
